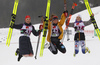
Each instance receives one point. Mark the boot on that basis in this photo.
(87, 50)
(19, 57)
(17, 52)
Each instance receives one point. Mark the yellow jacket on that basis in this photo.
(60, 23)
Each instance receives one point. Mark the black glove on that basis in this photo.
(75, 28)
(66, 13)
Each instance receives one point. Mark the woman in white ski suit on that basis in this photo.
(79, 37)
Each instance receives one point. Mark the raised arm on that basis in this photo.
(86, 23)
(17, 26)
(71, 25)
(63, 17)
(62, 20)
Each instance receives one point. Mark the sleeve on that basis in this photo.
(62, 20)
(18, 26)
(36, 33)
(71, 25)
(86, 23)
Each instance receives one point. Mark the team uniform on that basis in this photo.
(79, 37)
(55, 42)
(25, 46)
(55, 34)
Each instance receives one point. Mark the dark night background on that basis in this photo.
(34, 8)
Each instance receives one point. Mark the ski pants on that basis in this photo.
(56, 45)
(80, 43)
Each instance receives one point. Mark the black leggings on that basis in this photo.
(56, 44)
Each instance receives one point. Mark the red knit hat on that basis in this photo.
(55, 17)
(27, 17)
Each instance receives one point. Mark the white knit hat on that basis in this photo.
(79, 16)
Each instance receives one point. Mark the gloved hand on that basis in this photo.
(66, 13)
(75, 28)
(41, 27)
(82, 27)
(92, 17)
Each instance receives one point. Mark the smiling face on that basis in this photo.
(78, 18)
(28, 20)
(55, 21)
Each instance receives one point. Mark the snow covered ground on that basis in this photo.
(7, 54)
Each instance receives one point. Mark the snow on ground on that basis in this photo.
(7, 54)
